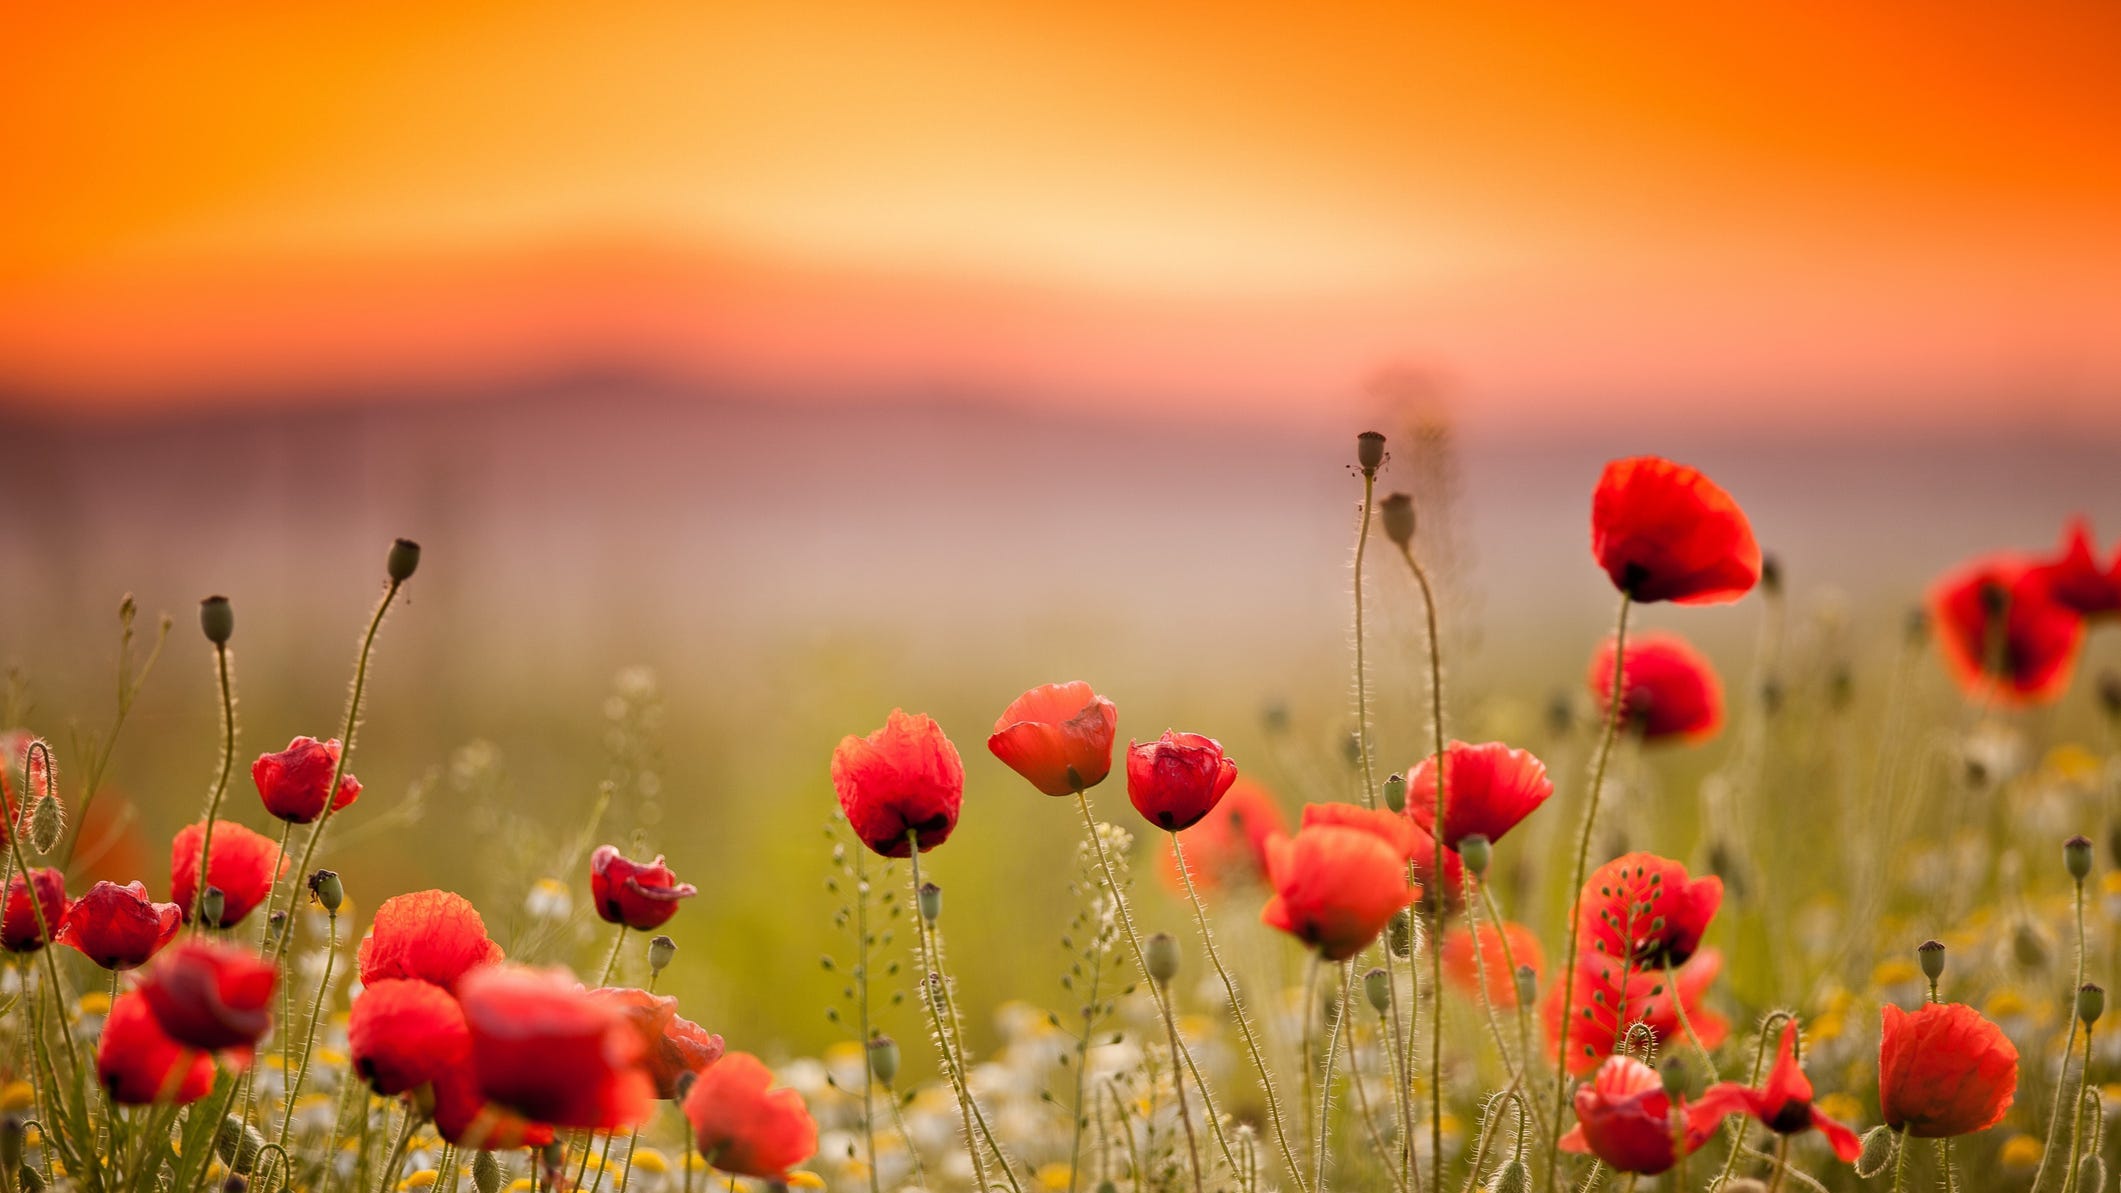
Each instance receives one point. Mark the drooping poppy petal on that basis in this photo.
(745, 1127)
(119, 927)
(1462, 968)
(1488, 789)
(1177, 779)
(2002, 633)
(1664, 532)
(404, 1033)
(1228, 847)
(139, 1064)
(21, 930)
(904, 779)
(1647, 910)
(1783, 1104)
(1668, 690)
(548, 1050)
(1944, 1070)
(432, 936)
(1058, 737)
(209, 995)
(294, 782)
(676, 1045)
(244, 867)
(2075, 580)
(642, 897)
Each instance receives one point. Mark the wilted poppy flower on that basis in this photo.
(547, 1049)
(1463, 969)
(676, 1045)
(118, 927)
(1783, 1105)
(2074, 578)
(1944, 1070)
(243, 868)
(1667, 688)
(20, 931)
(1646, 911)
(1339, 881)
(1664, 532)
(404, 1034)
(744, 1126)
(1177, 779)
(433, 936)
(1057, 736)
(209, 995)
(905, 778)
(295, 782)
(629, 893)
(1228, 846)
(1601, 1003)
(1487, 789)
(139, 1064)
(1624, 1117)
(2002, 632)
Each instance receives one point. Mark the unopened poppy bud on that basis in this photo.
(31, 1180)
(486, 1174)
(1377, 987)
(2077, 856)
(1672, 1071)
(47, 824)
(1527, 985)
(1397, 513)
(1396, 793)
(883, 1059)
(661, 951)
(11, 1134)
(1931, 954)
(2091, 1003)
(326, 889)
(1370, 450)
(1877, 1151)
(2091, 1172)
(1161, 952)
(403, 561)
(238, 1144)
(212, 904)
(1512, 1177)
(930, 898)
(218, 619)
(1473, 849)
(1401, 935)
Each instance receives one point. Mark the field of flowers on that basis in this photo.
(1846, 951)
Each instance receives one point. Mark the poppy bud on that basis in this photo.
(661, 951)
(1397, 512)
(1474, 851)
(217, 619)
(404, 559)
(238, 1144)
(486, 1174)
(1370, 451)
(1770, 575)
(47, 824)
(1527, 985)
(1877, 1151)
(11, 1133)
(1162, 956)
(2091, 1003)
(1931, 954)
(1672, 1071)
(1377, 985)
(2077, 855)
(325, 888)
(883, 1059)
(1400, 935)
(1512, 1177)
(2091, 1172)
(212, 904)
(930, 897)
(1396, 793)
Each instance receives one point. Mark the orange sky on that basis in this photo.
(1779, 211)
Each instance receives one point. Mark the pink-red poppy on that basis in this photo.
(675, 1045)
(1488, 789)
(431, 936)
(1668, 690)
(1944, 1070)
(404, 1034)
(1058, 737)
(1462, 968)
(2075, 579)
(1228, 847)
(210, 996)
(1784, 1104)
(119, 927)
(546, 1049)
(1339, 881)
(642, 896)
(1177, 779)
(2002, 633)
(295, 783)
(1646, 911)
(903, 781)
(139, 1064)
(1603, 1007)
(463, 1117)
(1625, 1118)
(244, 867)
(20, 929)
(745, 1127)
(1664, 532)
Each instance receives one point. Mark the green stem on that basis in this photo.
(932, 983)
(2054, 1114)
(213, 802)
(861, 981)
(611, 961)
(396, 1159)
(1438, 902)
(1362, 675)
(309, 1043)
(1325, 1085)
(1178, 1086)
(1900, 1161)
(2076, 1121)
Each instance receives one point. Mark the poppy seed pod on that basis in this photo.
(661, 951)
(403, 561)
(2091, 1003)
(217, 619)
(212, 904)
(1396, 793)
(1370, 451)
(2077, 856)
(326, 889)
(883, 1060)
(1397, 513)
(930, 897)
(1475, 852)
(1527, 985)
(1931, 954)
(1377, 986)
(1161, 953)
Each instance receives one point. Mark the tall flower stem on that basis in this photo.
(1509, 962)
(1438, 903)
(935, 992)
(1613, 713)
(213, 801)
(611, 960)
(316, 1012)
(2076, 1122)
(861, 981)
(396, 1159)
(2054, 1114)
(36, 905)
(1900, 1161)
(1362, 673)
(1369, 1117)
(1178, 1086)
(1325, 1085)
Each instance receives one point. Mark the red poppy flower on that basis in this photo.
(629, 893)
(139, 1064)
(468, 1120)
(117, 927)
(1664, 532)
(1667, 688)
(2002, 633)
(209, 995)
(546, 1049)
(1783, 1105)
(1624, 1117)
(1058, 736)
(904, 778)
(1339, 881)
(243, 868)
(1463, 969)
(1944, 1070)
(744, 1126)
(1645, 910)
(1600, 1003)
(1488, 788)
(294, 783)
(676, 1046)
(405, 1033)
(2075, 580)
(1228, 847)
(433, 936)
(19, 930)
(1177, 779)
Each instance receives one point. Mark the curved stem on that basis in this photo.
(1768, 1025)
(934, 987)
(1178, 1086)
(1362, 673)
(2069, 1044)
(36, 905)
(316, 1012)
(213, 802)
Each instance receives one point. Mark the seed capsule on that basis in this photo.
(1161, 952)
(404, 559)
(1369, 451)
(217, 619)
